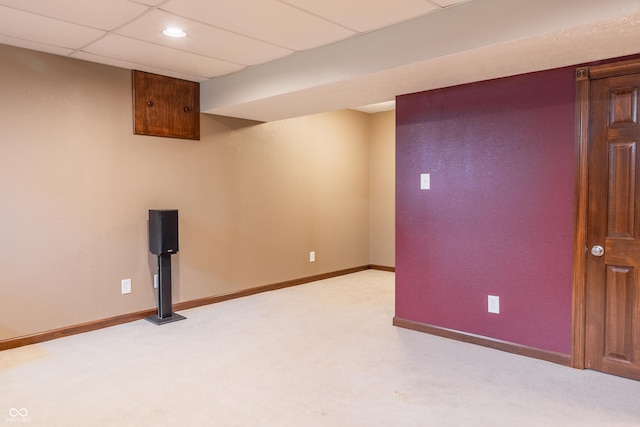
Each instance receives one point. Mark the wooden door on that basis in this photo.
(612, 333)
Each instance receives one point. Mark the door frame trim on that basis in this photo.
(583, 78)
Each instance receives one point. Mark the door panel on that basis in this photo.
(622, 168)
(618, 314)
(612, 341)
(623, 107)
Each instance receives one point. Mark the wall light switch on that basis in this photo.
(425, 181)
(494, 304)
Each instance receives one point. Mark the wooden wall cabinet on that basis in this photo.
(165, 106)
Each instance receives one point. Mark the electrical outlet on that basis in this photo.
(312, 256)
(493, 305)
(155, 281)
(126, 286)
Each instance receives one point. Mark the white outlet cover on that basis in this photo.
(312, 256)
(126, 286)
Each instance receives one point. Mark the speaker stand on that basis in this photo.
(165, 314)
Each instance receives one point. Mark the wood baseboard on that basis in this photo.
(131, 317)
(509, 347)
(266, 288)
(382, 268)
(74, 329)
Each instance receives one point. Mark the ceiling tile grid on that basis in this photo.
(364, 15)
(202, 39)
(244, 41)
(100, 14)
(138, 51)
(42, 29)
(445, 3)
(223, 36)
(105, 60)
(40, 47)
(269, 20)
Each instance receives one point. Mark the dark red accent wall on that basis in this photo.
(498, 219)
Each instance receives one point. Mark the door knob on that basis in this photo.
(597, 250)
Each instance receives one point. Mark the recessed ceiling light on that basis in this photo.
(174, 32)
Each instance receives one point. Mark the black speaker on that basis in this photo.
(163, 231)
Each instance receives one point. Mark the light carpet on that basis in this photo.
(319, 354)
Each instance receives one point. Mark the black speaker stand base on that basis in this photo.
(162, 320)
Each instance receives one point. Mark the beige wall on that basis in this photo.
(76, 184)
(383, 190)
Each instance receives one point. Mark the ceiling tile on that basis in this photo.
(267, 20)
(102, 14)
(35, 46)
(445, 3)
(137, 51)
(365, 15)
(202, 39)
(40, 29)
(150, 2)
(378, 107)
(134, 66)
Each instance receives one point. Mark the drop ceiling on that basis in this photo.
(273, 59)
